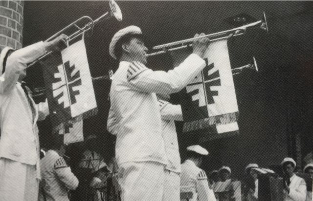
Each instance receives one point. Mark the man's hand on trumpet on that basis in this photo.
(56, 44)
(200, 45)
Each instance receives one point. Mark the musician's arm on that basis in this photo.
(112, 123)
(162, 82)
(17, 63)
(299, 194)
(169, 111)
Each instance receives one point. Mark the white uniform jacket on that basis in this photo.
(169, 114)
(135, 114)
(57, 178)
(18, 113)
(297, 189)
(193, 179)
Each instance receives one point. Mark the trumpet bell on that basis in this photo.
(264, 24)
(115, 10)
(255, 65)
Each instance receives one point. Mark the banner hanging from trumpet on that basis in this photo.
(209, 102)
(73, 133)
(69, 86)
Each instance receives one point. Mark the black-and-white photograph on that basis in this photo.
(114, 100)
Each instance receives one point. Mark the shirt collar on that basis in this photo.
(293, 176)
(124, 63)
(190, 162)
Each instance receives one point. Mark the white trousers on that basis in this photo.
(171, 186)
(148, 181)
(17, 181)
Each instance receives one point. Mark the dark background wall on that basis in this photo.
(275, 104)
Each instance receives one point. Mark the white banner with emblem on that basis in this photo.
(209, 102)
(70, 91)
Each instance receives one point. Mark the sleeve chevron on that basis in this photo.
(134, 69)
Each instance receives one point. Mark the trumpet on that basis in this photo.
(252, 66)
(161, 49)
(238, 70)
(84, 24)
(41, 91)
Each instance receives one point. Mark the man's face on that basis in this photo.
(289, 168)
(137, 50)
(225, 175)
(253, 174)
(310, 172)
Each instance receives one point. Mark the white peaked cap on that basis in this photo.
(251, 165)
(287, 159)
(225, 168)
(310, 165)
(198, 149)
(118, 35)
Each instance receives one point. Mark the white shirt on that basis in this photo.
(256, 192)
(171, 113)
(297, 189)
(135, 115)
(19, 133)
(57, 178)
(193, 179)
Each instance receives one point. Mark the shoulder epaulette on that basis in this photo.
(202, 175)
(60, 163)
(134, 69)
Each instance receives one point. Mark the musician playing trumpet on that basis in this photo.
(19, 143)
(135, 117)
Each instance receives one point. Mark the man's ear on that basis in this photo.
(125, 47)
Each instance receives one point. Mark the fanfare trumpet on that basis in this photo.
(83, 24)
(41, 91)
(262, 24)
(238, 70)
(252, 66)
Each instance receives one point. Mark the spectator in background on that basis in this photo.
(309, 170)
(57, 177)
(294, 186)
(251, 182)
(213, 178)
(223, 188)
(227, 189)
(93, 172)
(194, 179)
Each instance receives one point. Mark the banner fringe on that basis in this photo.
(208, 122)
(86, 115)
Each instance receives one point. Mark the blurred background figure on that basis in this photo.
(224, 173)
(57, 177)
(308, 169)
(294, 186)
(251, 183)
(92, 173)
(213, 178)
(227, 189)
(193, 181)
